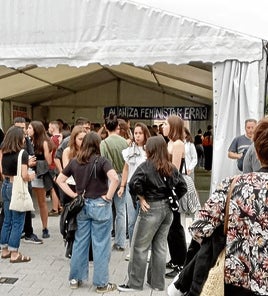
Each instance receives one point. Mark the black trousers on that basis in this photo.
(177, 241)
(28, 226)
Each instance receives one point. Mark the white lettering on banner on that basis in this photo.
(161, 113)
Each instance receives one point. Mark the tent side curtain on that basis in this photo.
(239, 94)
(79, 32)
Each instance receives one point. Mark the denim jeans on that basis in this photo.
(150, 231)
(94, 223)
(120, 220)
(132, 214)
(13, 221)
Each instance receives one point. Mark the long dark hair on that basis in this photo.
(13, 140)
(39, 137)
(176, 128)
(157, 153)
(90, 146)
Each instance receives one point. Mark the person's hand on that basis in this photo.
(32, 161)
(144, 205)
(240, 155)
(120, 191)
(31, 176)
(106, 198)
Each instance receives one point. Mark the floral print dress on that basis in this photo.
(246, 262)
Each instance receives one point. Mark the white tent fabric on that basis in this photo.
(238, 95)
(79, 32)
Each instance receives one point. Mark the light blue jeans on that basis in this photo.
(94, 223)
(132, 214)
(13, 221)
(150, 231)
(120, 220)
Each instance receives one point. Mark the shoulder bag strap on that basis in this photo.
(91, 172)
(227, 204)
(19, 162)
(109, 151)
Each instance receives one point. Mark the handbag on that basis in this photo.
(189, 203)
(172, 198)
(214, 284)
(76, 205)
(21, 200)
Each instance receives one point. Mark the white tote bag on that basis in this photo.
(21, 200)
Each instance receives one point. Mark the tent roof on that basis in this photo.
(35, 85)
(144, 42)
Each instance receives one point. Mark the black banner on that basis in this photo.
(158, 113)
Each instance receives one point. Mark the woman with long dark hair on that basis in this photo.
(13, 220)
(91, 173)
(43, 182)
(174, 130)
(151, 183)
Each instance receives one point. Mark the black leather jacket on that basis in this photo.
(147, 182)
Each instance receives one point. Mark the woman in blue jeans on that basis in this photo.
(13, 220)
(91, 173)
(151, 183)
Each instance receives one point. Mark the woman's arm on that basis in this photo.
(113, 184)
(65, 157)
(47, 153)
(25, 175)
(123, 180)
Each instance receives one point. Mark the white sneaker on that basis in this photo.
(172, 291)
(73, 284)
(127, 257)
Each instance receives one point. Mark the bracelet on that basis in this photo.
(122, 186)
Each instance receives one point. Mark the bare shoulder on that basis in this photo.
(178, 144)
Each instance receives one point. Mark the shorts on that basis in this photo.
(38, 183)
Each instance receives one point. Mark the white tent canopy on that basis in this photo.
(79, 33)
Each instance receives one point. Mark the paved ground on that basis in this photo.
(47, 273)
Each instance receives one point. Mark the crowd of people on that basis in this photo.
(122, 175)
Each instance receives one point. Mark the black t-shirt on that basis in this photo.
(10, 162)
(97, 184)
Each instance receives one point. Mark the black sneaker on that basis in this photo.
(33, 239)
(125, 288)
(170, 265)
(118, 248)
(45, 233)
(173, 273)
